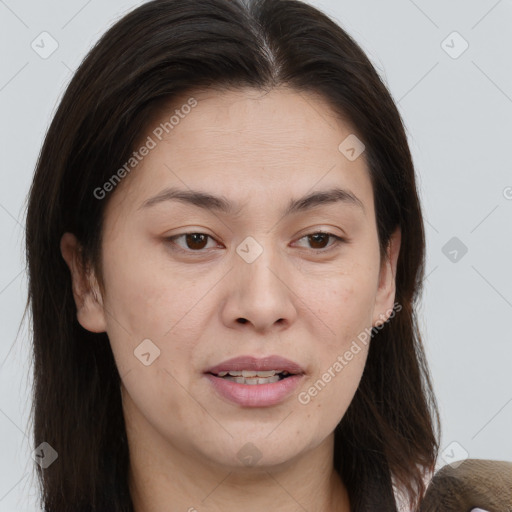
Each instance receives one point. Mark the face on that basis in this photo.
(257, 279)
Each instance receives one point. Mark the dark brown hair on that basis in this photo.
(389, 434)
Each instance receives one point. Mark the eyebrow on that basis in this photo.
(221, 204)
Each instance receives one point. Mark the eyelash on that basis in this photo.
(338, 241)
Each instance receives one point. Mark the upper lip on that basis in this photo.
(253, 363)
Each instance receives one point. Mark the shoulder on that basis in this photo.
(475, 485)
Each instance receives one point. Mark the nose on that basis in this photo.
(260, 293)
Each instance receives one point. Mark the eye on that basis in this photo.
(318, 238)
(194, 242)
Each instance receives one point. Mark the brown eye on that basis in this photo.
(319, 240)
(194, 242)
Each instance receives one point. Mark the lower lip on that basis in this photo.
(255, 395)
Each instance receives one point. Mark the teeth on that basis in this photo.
(252, 380)
(251, 373)
(261, 373)
(253, 376)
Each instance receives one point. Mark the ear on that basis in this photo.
(385, 297)
(86, 292)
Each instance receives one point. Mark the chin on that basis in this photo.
(255, 453)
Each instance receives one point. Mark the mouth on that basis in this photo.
(251, 367)
(254, 377)
(252, 382)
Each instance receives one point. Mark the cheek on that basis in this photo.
(146, 302)
(329, 393)
(342, 352)
(343, 307)
(343, 304)
(148, 299)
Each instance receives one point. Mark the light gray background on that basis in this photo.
(458, 115)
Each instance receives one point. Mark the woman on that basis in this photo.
(225, 249)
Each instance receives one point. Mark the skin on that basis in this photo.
(259, 150)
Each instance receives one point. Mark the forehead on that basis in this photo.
(247, 145)
(241, 122)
